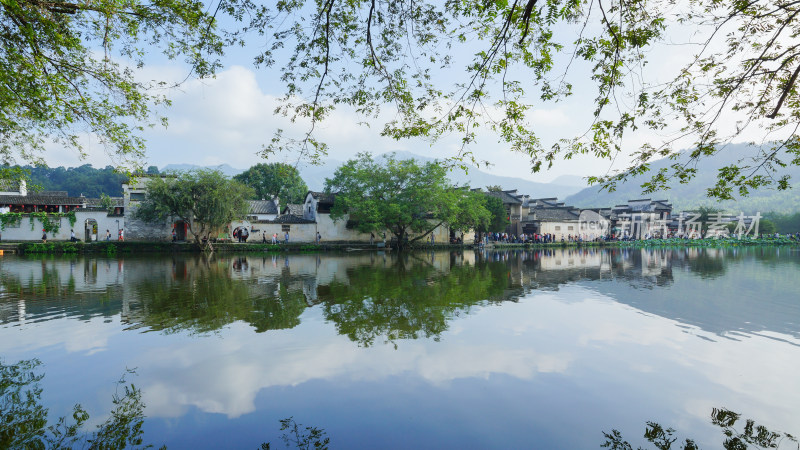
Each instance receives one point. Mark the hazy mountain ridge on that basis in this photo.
(693, 194)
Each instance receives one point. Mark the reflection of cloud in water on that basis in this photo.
(591, 337)
(218, 376)
(688, 329)
(87, 337)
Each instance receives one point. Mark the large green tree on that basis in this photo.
(499, 215)
(401, 196)
(275, 180)
(205, 200)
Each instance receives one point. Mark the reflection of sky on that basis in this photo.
(553, 370)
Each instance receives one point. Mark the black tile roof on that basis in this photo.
(291, 218)
(505, 197)
(41, 199)
(115, 201)
(293, 208)
(263, 207)
(322, 197)
(555, 214)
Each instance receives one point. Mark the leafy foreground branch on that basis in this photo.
(694, 74)
(25, 421)
(752, 434)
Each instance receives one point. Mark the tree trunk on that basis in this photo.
(204, 246)
(400, 234)
(427, 232)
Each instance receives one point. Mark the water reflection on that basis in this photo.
(380, 298)
(736, 436)
(25, 422)
(382, 348)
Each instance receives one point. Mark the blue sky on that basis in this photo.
(227, 119)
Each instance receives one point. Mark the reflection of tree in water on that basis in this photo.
(296, 435)
(773, 256)
(707, 264)
(49, 285)
(24, 420)
(25, 423)
(408, 301)
(53, 289)
(204, 298)
(736, 437)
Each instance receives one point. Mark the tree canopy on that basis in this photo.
(275, 180)
(441, 67)
(84, 180)
(69, 70)
(403, 197)
(460, 66)
(499, 216)
(205, 200)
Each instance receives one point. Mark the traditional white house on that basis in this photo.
(561, 222)
(260, 213)
(91, 218)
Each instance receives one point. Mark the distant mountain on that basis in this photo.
(314, 177)
(693, 194)
(224, 168)
(570, 180)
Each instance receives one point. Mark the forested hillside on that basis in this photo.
(84, 180)
(693, 194)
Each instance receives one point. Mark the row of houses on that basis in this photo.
(303, 222)
(636, 218)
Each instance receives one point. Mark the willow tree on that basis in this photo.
(205, 200)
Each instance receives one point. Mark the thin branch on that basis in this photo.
(786, 90)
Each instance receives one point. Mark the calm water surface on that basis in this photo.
(534, 349)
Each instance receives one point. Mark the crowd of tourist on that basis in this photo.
(535, 238)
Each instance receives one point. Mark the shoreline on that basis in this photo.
(127, 247)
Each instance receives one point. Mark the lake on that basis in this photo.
(473, 349)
